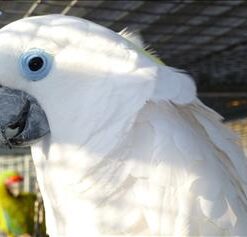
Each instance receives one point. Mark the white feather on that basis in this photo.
(174, 85)
(132, 151)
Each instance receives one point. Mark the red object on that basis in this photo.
(14, 179)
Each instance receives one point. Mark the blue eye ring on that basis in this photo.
(35, 64)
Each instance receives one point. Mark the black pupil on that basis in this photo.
(35, 63)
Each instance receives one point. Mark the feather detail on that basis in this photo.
(133, 37)
(182, 185)
(137, 41)
(174, 85)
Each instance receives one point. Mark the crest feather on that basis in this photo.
(133, 37)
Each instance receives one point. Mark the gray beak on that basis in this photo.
(22, 120)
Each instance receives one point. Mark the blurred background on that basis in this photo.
(208, 38)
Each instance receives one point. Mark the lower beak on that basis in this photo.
(22, 120)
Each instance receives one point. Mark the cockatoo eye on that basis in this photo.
(35, 64)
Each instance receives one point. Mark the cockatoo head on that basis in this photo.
(72, 78)
(62, 74)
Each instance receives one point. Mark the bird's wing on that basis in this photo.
(178, 168)
(190, 173)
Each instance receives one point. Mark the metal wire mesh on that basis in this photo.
(22, 164)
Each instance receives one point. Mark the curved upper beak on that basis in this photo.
(22, 120)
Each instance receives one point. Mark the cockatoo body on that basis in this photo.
(126, 147)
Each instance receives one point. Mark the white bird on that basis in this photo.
(121, 144)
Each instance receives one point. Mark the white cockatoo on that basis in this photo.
(121, 144)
